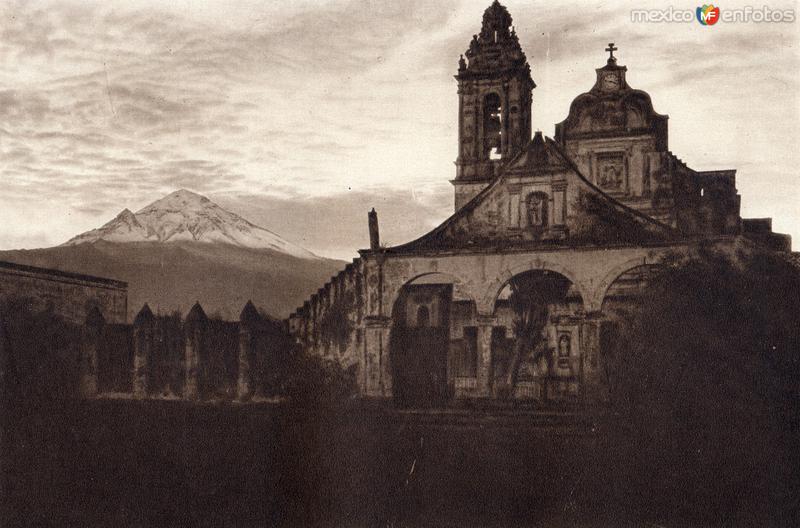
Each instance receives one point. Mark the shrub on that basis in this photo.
(318, 383)
(704, 388)
(41, 351)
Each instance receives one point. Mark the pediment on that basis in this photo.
(539, 199)
(538, 157)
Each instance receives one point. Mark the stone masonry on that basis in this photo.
(597, 207)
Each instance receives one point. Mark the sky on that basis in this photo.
(301, 116)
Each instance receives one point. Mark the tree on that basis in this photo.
(704, 388)
(39, 352)
(531, 294)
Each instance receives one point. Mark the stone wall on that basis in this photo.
(354, 317)
(331, 323)
(70, 295)
(196, 358)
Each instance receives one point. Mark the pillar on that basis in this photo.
(514, 207)
(143, 337)
(249, 322)
(90, 345)
(593, 382)
(485, 326)
(194, 329)
(377, 366)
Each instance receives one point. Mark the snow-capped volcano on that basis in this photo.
(184, 216)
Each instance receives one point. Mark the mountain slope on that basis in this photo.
(184, 216)
(184, 248)
(174, 276)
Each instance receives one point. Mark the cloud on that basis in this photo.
(336, 225)
(117, 103)
(18, 107)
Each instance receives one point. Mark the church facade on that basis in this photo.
(585, 215)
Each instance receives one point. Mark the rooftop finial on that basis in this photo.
(611, 49)
(496, 23)
(374, 236)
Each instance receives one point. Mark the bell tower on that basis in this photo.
(494, 104)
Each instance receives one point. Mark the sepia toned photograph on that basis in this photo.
(399, 264)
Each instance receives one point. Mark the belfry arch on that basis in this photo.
(492, 126)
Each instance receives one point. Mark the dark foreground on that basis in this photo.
(153, 464)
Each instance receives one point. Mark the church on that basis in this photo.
(583, 217)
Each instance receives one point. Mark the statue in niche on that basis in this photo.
(563, 346)
(610, 174)
(537, 210)
(564, 350)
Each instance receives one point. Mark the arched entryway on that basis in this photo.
(619, 299)
(536, 341)
(432, 348)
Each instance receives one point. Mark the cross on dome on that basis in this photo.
(611, 49)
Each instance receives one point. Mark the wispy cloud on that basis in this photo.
(109, 105)
(336, 225)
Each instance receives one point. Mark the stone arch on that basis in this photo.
(595, 304)
(616, 297)
(488, 300)
(535, 347)
(426, 277)
(423, 312)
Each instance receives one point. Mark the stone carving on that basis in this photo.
(564, 346)
(611, 172)
(564, 350)
(607, 114)
(537, 210)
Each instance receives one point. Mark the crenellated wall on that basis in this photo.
(195, 358)
(330, 323)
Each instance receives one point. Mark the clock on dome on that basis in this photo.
(610, 81)
(611, 77)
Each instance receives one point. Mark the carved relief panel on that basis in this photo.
(611, 173)
(536, 210)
